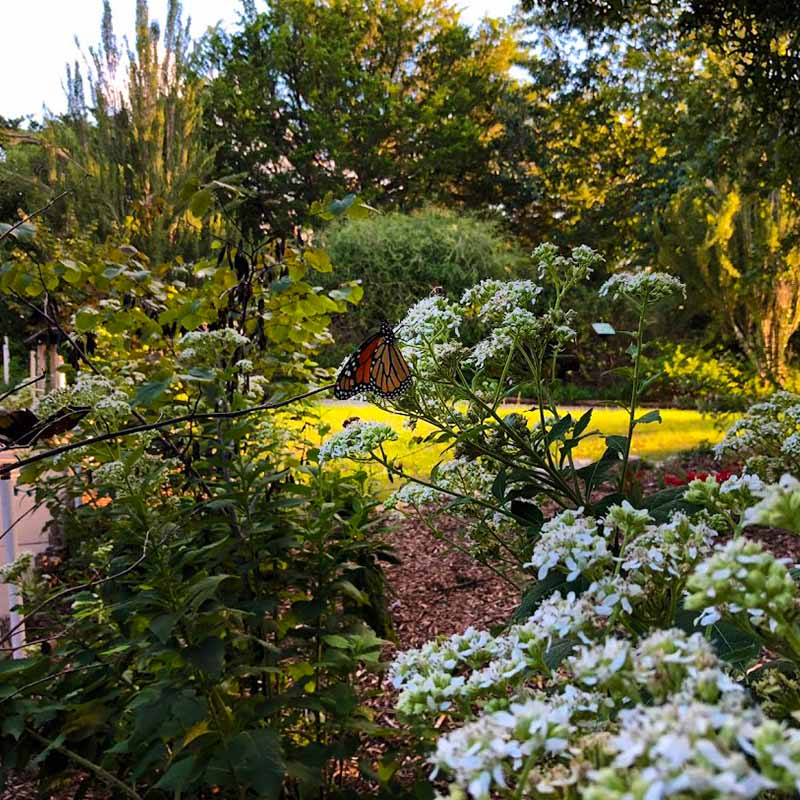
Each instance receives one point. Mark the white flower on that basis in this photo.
(681, 748)
(433, 319)
(559, 617)
(611, 593)
(742, 577)
(493, 348)
(356, 440)
(778, 506)
(642, 286)
(483, 753)
(492, 299)
(596, 665)
(210, 348)
(570, 542)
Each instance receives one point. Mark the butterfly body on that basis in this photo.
(377, 366)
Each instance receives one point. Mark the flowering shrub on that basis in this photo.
(625, 672)
(599, 694)
(767, 437)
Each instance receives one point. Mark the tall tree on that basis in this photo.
(131, 153)
(394, 99)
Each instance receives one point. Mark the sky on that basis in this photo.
(39, 40)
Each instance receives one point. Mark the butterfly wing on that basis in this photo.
(390, 375)
(354, 376)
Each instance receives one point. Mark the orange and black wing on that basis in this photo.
(390, 375)
(377, 366)
(354, 376)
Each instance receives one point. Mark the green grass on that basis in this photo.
(680, 430)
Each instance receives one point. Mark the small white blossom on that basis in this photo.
(642, 286)
(357, 440)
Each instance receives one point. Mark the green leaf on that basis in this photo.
(86, 319)
(582, 424)
(208, 656)
(204, 589)
(334, 640)
(251, 760)
(179, 776)
(23, 233)
(559, 651)
(559, 430)
(201, 202)
(339, 207)
(148, 393)
(650, 416)
(617, 443)
(162, 626)
(318, 259)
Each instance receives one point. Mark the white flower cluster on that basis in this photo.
(767, 437)
(433, 319)
(778, 505)
(643, 286)
(684, 714)
(109, 403)
(461, 476)
(671, 549)
(357, 440)
(492, 748)
(743, 578)
(564, 273)
(463, 669)
(147, 470)
(681, 749)
(735, 494)
(15, 571)
(570, 542)
(492, 300)
(211, 348)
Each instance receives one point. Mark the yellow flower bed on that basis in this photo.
(680, 430)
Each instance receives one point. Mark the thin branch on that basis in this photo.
(50, 677)
(86, 764)
(72, 589)
(34, 507)
(154, 426)
(29, 217)
(22, 386)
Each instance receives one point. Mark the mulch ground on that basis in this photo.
(437, 592)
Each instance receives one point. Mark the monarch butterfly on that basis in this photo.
(376, 366)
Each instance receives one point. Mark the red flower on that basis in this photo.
(723, 475)
(696, 476)
(673, 480)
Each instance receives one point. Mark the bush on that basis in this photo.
(401, 258)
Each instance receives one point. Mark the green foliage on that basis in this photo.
(221, 589)
(399, 258)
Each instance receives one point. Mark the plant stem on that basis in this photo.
(86, 764)
(634, 396)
